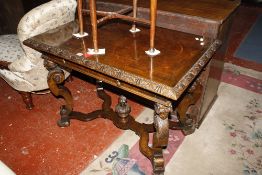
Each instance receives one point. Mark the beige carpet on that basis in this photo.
(229, 141)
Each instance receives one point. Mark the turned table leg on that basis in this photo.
(134, 15)
(80, 16)
(93, 18)
(27, 98)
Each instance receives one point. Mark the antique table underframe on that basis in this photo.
(184, 55)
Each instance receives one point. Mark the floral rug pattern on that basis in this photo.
(120, 162)
(247, 141)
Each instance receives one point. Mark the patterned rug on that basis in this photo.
(229, 140)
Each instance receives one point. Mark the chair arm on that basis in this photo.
(43, 18)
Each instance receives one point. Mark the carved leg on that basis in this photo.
(188, 110)
(161, 124)
(160, 138)
(104, 112)
(27, 98)
(191, 119)
(127, 122)
(55, 78)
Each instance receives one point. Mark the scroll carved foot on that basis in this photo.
(55, 79)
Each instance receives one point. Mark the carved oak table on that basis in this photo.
(171, 78)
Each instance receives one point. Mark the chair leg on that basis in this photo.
(70, 78)
(27, 98)
(4, 65)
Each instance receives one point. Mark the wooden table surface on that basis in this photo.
(182, 56)
(200, 17)
(217, 10)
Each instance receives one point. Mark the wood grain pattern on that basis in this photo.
(217, 10)
(196, 17)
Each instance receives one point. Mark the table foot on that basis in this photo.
(189, 124)
(64, 121)
(158, 162)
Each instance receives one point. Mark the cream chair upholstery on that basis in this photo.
(26, 72)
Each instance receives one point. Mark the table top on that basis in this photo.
(168, 74)
(216, 10)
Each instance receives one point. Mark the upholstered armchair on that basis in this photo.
(22, 67)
